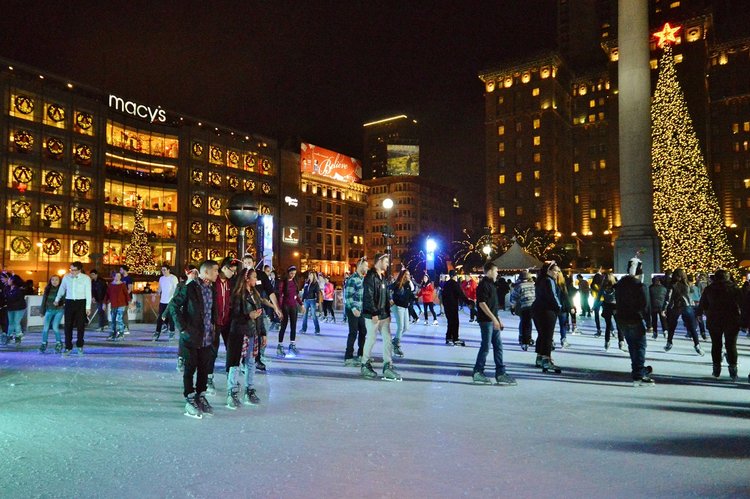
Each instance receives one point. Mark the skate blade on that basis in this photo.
(391, 379)
(194, 416)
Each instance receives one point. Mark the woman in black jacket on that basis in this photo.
(15, 299)
(679, 306)
(544, 312)
(246, 324)
(401, 298)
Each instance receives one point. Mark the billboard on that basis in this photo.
(320, 161)
(403, 159)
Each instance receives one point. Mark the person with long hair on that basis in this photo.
(117, 297)
(329, 288)
(289, 300)
(16, 304)
(606, 298)
(565, 311)
(246, 323)
(310, 297)
(52, 314)
(521, 300)
(544, 312)
(427, 294)
(679, 306)
(401, 297)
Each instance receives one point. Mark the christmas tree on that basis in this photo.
(686, 211)
(139, 255)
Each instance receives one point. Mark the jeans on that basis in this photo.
(249, 364)
(358, 332)
(290, 317)
(635, 335)
(14, 322)
(116, 314)
(563, 319)
(160, 321)
(472, 310)
(688, 319)
(699, 320)
(490, 335)
(585, 307)
(75, 316)
(311, 306)
(402, 321)
(196, 359)
(52, 320)
(384, 328)
(101, 313)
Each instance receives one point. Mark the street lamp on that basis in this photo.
(388, 234)
(487, 249)
(430, 246)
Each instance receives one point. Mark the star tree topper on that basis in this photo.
(668, 34)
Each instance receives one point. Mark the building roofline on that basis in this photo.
(520, 64)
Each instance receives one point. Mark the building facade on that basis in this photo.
(77, 161)
(394, 136)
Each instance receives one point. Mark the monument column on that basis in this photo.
(634, 101)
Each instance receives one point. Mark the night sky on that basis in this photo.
(307, 70)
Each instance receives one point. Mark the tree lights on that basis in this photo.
(686, 212)
(139, 256)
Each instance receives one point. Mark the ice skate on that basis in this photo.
(389, 373)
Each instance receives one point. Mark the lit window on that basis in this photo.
(674, 5)
(519, 176)
(735, 128)
(501, 179)
(653, 64)
(592, 118)
(537, 175)
(519, 210)
(500, 99)
(576, 167)
(501, 212)
(678, 58)
(537, 140)
(502, 229)
(537, 157)
(538, 123)
(535, 92)
(746, 126)
(537, 192)
(592, 214)
(601, 100)
(592, 103)
(518, 126)
(501, 146)
(601, 116)
(576, 199)
(723, 59)
(604, 213)
(606, 85)
(602, 164)
(501, 130)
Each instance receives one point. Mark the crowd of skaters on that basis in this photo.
(234, 302)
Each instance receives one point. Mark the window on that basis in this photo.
(601, 99)
(576, 199)
(500, 99)
(746, 126)
(518, 126)
(535, 92)
(537, 192)
(592, 103)
(502, 229)
(537, 123)
(319, 237)
(537, 157)
(602, 164)
(537, 175)
(501, 147)
(519, 210)
(537, 140)
(501, 130)
(501, 179)
(318, 222)
(519, 176)
(142, 141)
(501, 211)
(601, 116)
(576, 167)
(592, 214)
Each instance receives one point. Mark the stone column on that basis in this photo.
(634, 102)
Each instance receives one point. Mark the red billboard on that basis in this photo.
(336, 166)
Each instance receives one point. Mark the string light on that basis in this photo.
(139, 255)
(686, 211)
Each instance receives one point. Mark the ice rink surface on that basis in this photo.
(111, 424)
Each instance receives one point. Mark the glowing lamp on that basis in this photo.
(487, 249)
(388, 203)
(430, 245)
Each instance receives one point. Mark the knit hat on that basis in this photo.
(291, 268)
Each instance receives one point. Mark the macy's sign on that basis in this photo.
(139, 110)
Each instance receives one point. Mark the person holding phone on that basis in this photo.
(490, 326)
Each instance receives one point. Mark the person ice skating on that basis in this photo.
(223, 285)
(605, 300)
(544, 312)
(268, 294)
(353, 291)
(193, 308)
(311, 297)
(469, 289)
(427, 294)
(679, 306)
(167, 286)
(584, 291)
(376, 309)
(521, 299)
(695, 290)
(721, 302)
(565, 311)
(75, 288)
(633, 321)
(401, 297)
(246, 320)
(124, 269)
(15, 299)
(658, 294)
(98, 291)
(52, 314)
(289, 298)
(191, 273)
(490, 327)
(117, 298)
(453, 294)
(328, 292)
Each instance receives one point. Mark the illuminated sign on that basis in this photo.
(290, 235)
(291, 201)
(402, 159)
(267, 221)
(336, 166)
(138, 110)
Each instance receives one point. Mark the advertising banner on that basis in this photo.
(403, 159)
(336, 166)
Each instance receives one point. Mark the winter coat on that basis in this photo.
(403, 296)
(48, 299)
(186, 308)
(427, 292)
(374, 293)
(658, 295)
(15, 299)
(545, 300)
(240, 316)
(453, 295)
(721, 302)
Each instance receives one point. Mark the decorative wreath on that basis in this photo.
(84, 121)
(24, 104)
(20, 245)
(55, 113)
(196, 254)
(249, 185)
(197, 176)
(232, 253)
(250, 162)
(265, 210)
(82, 185)
(81, 216)
(52, 212)
(23, 140)
(234, 182)
(82, 153)
(22, 174)
(215, 254)
(216, 154)
(53, 179)
(197, 149)
(196, 227)
(215, 179)
(266, 188)
(233, 159)
(250, 234)
(266, 164)
(232, 232)
(80, 248)
(55, 147)
(214, 229)
(21, 209)
(214, 204)
(51, 246)
(196, 201)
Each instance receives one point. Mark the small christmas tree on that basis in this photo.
(686, 211)
(139, 255)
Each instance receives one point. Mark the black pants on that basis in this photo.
(290, 317)
(328, 308)
(224, 335)
(729, 335)
(585, 307)
(451, 315)
(234, 348)
(414, 315)
(472, 310)
(544, 321)
(597, 308)
(524, 326)
(608, 312)
(432, 309)
(161, 320)
(75, 316)
(357, 332)
(657, 314)
(196, 359)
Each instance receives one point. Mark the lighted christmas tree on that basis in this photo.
(139, 255)
(686, 211)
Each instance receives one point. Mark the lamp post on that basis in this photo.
(242, 212)
(388, 234)
(430, 246)
(487, 250)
